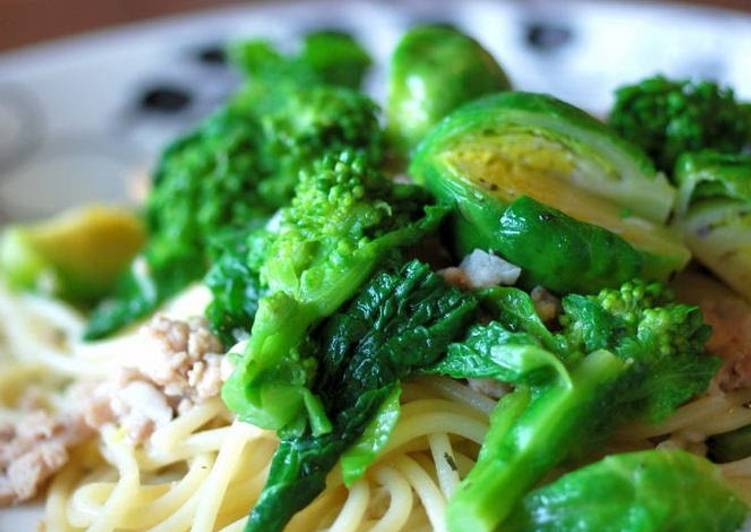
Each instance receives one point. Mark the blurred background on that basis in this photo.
(25, 22)
(91, 90)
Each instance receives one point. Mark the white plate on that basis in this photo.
(74, 127)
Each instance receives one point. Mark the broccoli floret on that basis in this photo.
(621, 354)
(633, 297)
(205, 182)
(668, 117)
(232, 173)
(345, 219)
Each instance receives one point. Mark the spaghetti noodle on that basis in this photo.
(203, 470)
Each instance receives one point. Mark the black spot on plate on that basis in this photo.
(213, 55)
(168, 99)
(546, 36)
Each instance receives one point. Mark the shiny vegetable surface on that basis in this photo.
(231, 174)
(714, 213)
(401, 321)
(77, 255)
(622, 354)
(646, 491)
(345, 219)
(433, 70)
(670, 117)
(235, 283)
(591, 190)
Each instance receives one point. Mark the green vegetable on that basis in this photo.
(326, 57)
(77, 255)
(730, 446)
(434, 69)
(621, 354)
(714, 213)
(231, 174)
(400, 322)
(363, 452)
(667, 118)
(635, 492)
(235, 284)
(488, 155)
(345, 219)
(554, 249)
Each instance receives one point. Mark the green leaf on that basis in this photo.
(399, 323)
(345, 221)
(634, 492)
(357, 458)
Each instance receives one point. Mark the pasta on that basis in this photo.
(291, 329)
(202, 471)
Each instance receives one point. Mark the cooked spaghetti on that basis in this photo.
(293, 336)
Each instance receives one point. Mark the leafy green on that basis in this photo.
(621, 354)
(345, 219)
(327, 57)
(663, 344)
(235, 283)
(363, 452)
(670, 117)
(634, 492)
(232, 173)
(400, 321)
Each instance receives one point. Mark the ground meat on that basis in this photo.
(731, 339)
(730, 318)
(185, 367)
(455, 277)
(188, 365)
(481, 269)
(548, 306)
(32, 450)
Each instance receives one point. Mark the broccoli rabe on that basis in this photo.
(345, 219)
(619, 355)
(714, 213)
(326, 57)
(433, 70)
(634, 492)
(231, 173)
(235, 284)
(401, 321)
(669, 117)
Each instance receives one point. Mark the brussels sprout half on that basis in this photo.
(553, 190)
(714, 213)
(77, 255)
(434, 69)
